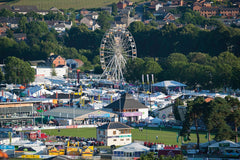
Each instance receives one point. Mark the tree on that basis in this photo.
(34, 15)
(152, 67)
(22, 24)
(132, 13)
(134, 69)
(8, 47)
(53, 73)
(177, 103)
(137, 26)
(114, 9)
(18, 71)
(148, 156)
(104, 19)
(195, 111)
(173, 67)
(10, 33)
(216, 113)
(35, 31)
(1, 76)
(6, 13)
(234, 116)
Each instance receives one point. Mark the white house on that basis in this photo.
(158, 6)
(114, 133)
(95, 15)
(47, 71)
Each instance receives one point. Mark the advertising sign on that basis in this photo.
(131, 114)
(99, 115)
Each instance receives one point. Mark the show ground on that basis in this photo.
(167, 136)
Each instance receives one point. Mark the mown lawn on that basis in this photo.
(166, 136)
(65, 4)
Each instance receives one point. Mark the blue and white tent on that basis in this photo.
(169, 83)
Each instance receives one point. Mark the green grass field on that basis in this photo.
(166, 136)
(65, 4)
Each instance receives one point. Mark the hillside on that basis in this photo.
(65, 4)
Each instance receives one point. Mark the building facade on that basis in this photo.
(114, 133)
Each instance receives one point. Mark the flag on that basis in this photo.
(111, 99)
(147, 79)
(142, 79)
(83, 103)
(80, 100)
(10, 137)
(152, 78)
(56, 95)
(81, 89)
(99, 97)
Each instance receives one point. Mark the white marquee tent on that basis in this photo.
(169, 83)
(130, 150)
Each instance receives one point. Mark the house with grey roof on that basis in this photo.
(90, 22)
(114, 133)
(55, 10)
(128, 108)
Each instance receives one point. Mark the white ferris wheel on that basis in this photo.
(117, 46)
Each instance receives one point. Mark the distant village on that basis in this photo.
(229, 15)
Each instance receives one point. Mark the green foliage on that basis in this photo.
(54, 16)
(82, 38)
(137, 26)
(18, 71)
(148, 156)
(10, 33)
(53, 73)
(151, 66)
(103, 20)
(6, 13)
(219, 115)
(34, 15)
(132, 13)
(134, 69)
(35, 31)
(98, 69)
(177, 103)
(22, 24)
(1, 76)
(114, 9)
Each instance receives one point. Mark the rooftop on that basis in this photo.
(114, 125)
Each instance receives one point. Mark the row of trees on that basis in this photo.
(221, 116)
(188, 38)
(195, 69)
